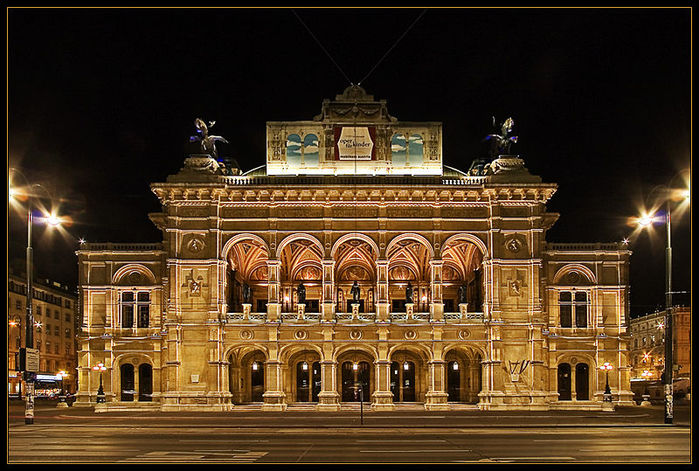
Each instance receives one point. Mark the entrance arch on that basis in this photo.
(305, 377)
(582, 382)
(145, 382)
(355, 376)
(564, 386)
(407, 378)
(464, 375)
(126, 371)
(247, 376)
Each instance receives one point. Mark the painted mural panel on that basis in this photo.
(310, 150)
(293, 149)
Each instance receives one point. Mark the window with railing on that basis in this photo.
(135, 309)
(573, 308)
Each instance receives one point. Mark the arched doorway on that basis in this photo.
(307, 381)
(145, 382)
(127, 382)
(257, 380)
(407, 377)
(564, 382)
(464, 375)
(303, 379)
(247, 376)
(355, 376)
(582, 382)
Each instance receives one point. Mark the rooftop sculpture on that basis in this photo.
(208, 143)
(500, 143)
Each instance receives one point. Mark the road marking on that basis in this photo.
(412, 451)
(209, 440)
(557, 458)
(378, 442)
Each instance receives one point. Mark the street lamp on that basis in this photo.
(62, 398)
(646, 221)
(53, 221)
(606, 367)
(100, 392)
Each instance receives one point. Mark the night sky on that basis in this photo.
(102, 102)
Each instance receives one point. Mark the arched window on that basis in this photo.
(398, 150)
(293, 149)
(415, 150)
(310, 151)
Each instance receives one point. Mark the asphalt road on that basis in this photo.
(79, 436)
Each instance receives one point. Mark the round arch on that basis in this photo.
(369, 350)
(298, 236)
(240, 237)
(133, 268)
(475, 240)
(288, 351)
(411, 236)
(240, 351)
(352, 236)
(423, 352)
(469, 350)
(575, 268)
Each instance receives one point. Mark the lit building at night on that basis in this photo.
(354, 266)
(54, 307)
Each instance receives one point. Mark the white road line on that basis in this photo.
(557, 458)
(378, 442)
(413, 451)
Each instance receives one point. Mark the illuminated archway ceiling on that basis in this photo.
(297, 257)
(249, 258)
(461, 258)
(355, 260)
(411, 255)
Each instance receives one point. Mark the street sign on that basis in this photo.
(32, 360)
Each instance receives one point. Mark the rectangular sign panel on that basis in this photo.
(32, 360)
(355, 143)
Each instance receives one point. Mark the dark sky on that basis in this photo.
(101, 103)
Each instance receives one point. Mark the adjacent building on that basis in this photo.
(55, 315)
(648, 344)
(353, 265)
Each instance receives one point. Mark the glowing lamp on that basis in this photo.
(606, 366)
(456, 366)
(304, 366)
(355, 366)
(406, 366)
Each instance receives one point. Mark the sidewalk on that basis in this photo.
(622, 417)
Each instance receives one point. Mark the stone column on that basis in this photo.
(328, 306)
(436, 306)
(274, 395)
(436, 395)
(328, 397)
(274, 308)
(382, 399)
(382, 305)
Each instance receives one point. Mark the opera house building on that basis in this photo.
(353, 266)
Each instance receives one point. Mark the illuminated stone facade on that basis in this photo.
(460, 299)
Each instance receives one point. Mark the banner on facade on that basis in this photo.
(354, 143)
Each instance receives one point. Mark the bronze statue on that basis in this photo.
(247, 293)
(208, 143)
(462, 294)
(301, 292)
(355, 292)
(500, 143)
(409, 294)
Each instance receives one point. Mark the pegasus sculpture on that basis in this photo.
(208, 142)
(501, 142)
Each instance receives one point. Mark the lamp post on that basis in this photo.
(52, 220)
(646, 221)
(606, 367)
(100, 392)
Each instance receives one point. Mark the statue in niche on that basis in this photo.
(301, 293)
(462, 294)
(355, 292)
(247, 293)
(500, 143)
(409, 293)
(208, 142)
